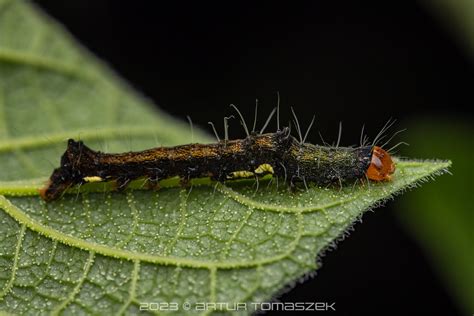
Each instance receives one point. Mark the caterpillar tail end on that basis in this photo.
(64, 176)
(53, 190)
(43, 191)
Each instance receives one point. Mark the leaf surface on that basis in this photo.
(103, 252)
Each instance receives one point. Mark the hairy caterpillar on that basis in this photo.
(279, 154)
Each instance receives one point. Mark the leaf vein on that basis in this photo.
(228, 243)
(16, 258)
(87, 134)
(48, 264)
(133, 229)
(78, 286)
(54, 234)
(183, 195)
(276, 208)
(133, 287)
(12, 56)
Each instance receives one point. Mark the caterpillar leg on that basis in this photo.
(184, 182)
(257, 183)
(292, 185)
(153, 184)
(121, 184)
(339, 181)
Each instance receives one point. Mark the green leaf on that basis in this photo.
(103, 253)
(440, 216)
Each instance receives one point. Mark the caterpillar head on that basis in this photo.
(381, 165)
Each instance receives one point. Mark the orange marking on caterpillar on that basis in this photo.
(381, 165)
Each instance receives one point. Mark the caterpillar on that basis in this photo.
(279, 154)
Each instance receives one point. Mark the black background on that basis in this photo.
(339, 60)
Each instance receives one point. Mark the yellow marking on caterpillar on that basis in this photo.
(240, 174)
(92, 179)
(264, 168)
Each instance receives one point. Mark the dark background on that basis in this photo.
(339, 60)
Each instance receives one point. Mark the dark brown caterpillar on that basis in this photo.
(258, 154)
